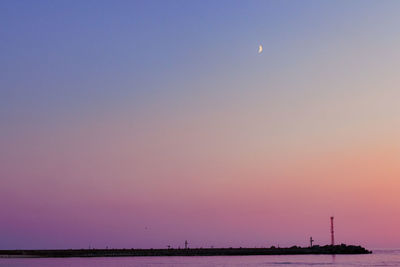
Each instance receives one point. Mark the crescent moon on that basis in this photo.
(260, 49)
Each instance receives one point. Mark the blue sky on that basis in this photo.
(129, 102)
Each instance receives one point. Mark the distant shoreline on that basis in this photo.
(67, 253)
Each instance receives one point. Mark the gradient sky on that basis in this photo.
(147, 123)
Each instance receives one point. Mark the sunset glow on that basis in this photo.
(145, 124)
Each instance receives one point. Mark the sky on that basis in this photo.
(142, 124)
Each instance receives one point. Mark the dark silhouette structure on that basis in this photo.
(328, 249)
(170, 251)
(332, 233)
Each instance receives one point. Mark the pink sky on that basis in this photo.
(147, 123)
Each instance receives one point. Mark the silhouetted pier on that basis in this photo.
(337, 249)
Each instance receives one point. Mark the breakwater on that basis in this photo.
(295, 250)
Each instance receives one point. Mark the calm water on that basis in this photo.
(378, 258)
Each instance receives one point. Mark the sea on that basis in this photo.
(379, 257)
